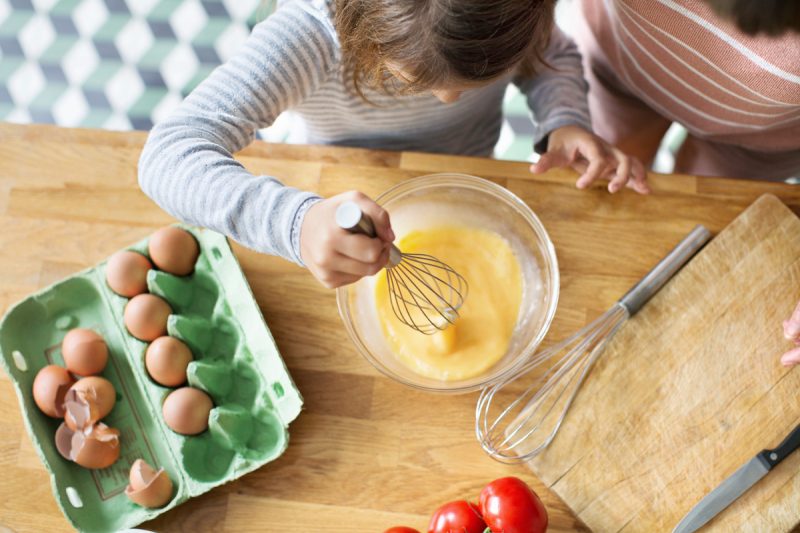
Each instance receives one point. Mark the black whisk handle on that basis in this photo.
(664, 270)
(350, 217)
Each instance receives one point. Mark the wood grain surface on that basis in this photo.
(690, 390)
(366, 453)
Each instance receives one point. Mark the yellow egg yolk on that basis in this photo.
(481, 334)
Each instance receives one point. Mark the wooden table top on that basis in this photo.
(366, 453)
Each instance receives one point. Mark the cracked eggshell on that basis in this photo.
(88, 401)
(50, 388)
(96, 447)
(146, 316)
(85, 352)
(173, 250)
(148, 487)
(64, 441)
(126, 273)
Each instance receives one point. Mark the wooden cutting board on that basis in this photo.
(690, 389)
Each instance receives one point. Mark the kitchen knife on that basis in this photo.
(737, 484)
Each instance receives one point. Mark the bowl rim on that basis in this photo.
(522, 208)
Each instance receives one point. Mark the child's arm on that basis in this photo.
(562, 125)
(188, 169)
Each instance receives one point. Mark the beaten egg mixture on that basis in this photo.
(481, 334)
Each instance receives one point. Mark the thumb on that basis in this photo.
(548, 160)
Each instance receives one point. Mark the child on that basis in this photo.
(423, 75)
(736, 90)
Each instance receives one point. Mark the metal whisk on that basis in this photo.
(514, 426)
(425, 293)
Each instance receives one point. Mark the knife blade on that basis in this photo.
(737, 484)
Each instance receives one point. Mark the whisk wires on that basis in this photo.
(527, 425)
(425, 293)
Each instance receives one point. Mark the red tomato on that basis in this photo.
(401, 529)
(457, 517)
(508, 505)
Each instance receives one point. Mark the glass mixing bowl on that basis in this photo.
(459, 199)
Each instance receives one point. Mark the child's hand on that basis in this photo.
(593, 158)
(336, 257)
(791, 330)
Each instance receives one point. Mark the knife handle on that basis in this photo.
(789, 444)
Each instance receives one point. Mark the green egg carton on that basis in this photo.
(235, 361)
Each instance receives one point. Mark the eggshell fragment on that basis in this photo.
(126, 273)
(50, 387)
(166, 360)
(146, 317)
(173, 250)
(148, 488)
(96, 447)
(186, 410)
(64, 441)
(88, 401)
(85, 352)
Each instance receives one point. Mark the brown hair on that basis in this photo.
(772, 17)
(439, 41)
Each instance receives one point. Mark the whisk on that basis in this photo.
(526, 425)
(425, 293)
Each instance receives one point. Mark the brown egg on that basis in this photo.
(166, 360)
(126, 273)
(88, 401)
(146, 317)
(97, 447)
(85, 352)
(148, 488)
(186, 411)
(50, 386)
(173, 250)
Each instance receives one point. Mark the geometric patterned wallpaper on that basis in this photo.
(125, 64)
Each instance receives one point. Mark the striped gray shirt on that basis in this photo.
(292, 62)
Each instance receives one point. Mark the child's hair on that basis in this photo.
(772, 17)
(440, 41)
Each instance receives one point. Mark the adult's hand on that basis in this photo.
(791, 330)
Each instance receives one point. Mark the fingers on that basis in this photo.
(378, 215)
(639, 177)
(341, 263)
(791, 327)
(337, 269)
(630, 172)
(598, 164)
(359, 247)
(551, 159)
(791, 358)
(622, 174)
(791, 330)
(615, 166)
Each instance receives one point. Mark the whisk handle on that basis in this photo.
(350, 217)
(635, 298)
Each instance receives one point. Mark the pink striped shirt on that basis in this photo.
(695, 68)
